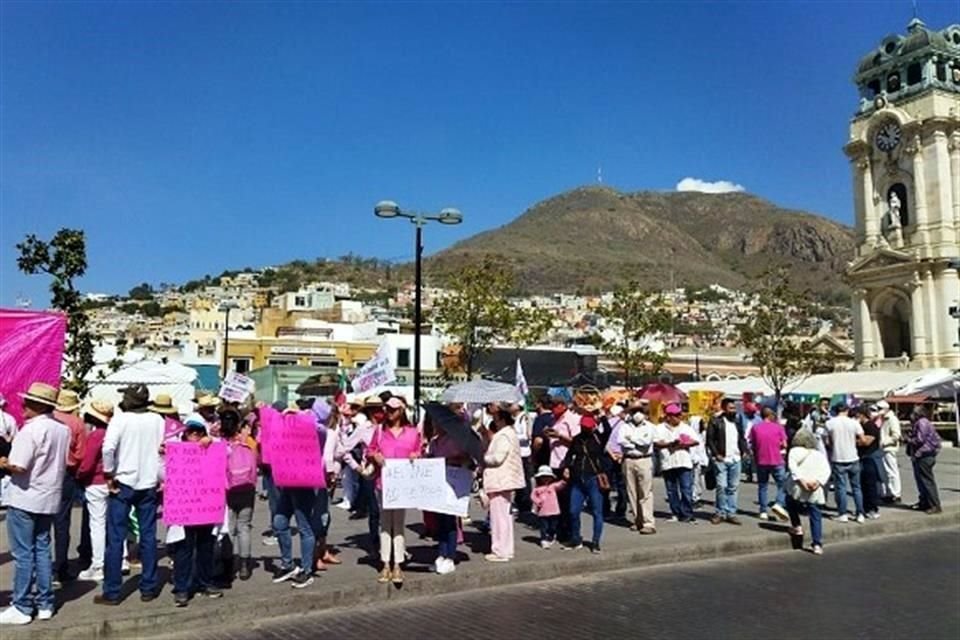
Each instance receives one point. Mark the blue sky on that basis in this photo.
(187, 138)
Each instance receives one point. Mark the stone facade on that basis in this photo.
(905, 152)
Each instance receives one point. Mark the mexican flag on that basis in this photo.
(520, 381)
(340, 398)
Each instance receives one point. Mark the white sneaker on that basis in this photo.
(874, 515)
(12, 615)
(861, 519)
(546, 544)
(91, 575)
(125, 568)
(841, 518)
(780, 512)
(673, 519)
(44, 614)
(764, 516)
(817, 550)
(343, 504)
(446, 566)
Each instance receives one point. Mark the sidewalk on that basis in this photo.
(354, 582)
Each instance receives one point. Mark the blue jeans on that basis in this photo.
(29, 535)
(844, 473)
(581, 490)
(193, 560)
(795, 508)
(61, 526)
(295, 502)
(144, 501)
(763, 476)
(321, 514)
(548, 528)
(446, 536)
(272, 493)
(679, 483)
(728, 482)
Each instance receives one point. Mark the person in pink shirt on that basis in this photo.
(566, 426)
(768, 441)
(546, 505)
(397, 439)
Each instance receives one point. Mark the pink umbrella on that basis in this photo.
(661, 392)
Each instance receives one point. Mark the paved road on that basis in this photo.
(890, 588)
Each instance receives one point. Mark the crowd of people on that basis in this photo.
(545, 467)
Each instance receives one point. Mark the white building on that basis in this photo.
(905, 150)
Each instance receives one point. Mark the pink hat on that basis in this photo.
(395, 403)
(673, 409)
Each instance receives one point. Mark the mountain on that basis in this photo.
(592, 238)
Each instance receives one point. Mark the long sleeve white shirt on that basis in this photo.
(636, 439)
(131, 449)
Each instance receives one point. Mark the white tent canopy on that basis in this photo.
(170, 378)
(938, 385)
(870, 384)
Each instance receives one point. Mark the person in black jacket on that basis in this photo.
(726, 446)
(585, 468)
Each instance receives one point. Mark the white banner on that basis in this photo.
(426, 484)
(377, 372)
(237, 387)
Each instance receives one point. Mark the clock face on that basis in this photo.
(888, 136)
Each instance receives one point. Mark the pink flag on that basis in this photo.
(31, 350)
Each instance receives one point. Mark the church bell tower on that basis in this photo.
(904, 148)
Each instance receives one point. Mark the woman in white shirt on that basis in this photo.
(675, 439)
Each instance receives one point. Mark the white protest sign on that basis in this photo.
(426, 484)
(377, 372)
(237, 387)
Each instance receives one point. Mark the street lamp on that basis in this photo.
(449, 215)
(226, 306)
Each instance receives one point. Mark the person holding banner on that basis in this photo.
(396, 439)
(193, 554)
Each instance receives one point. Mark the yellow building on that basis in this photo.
(248, 353)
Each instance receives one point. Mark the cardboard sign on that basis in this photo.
(195, 488)
(377, 372)
(237, 387)
(427, 484)
(293, 449)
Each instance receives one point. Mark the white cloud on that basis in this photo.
(720, 186)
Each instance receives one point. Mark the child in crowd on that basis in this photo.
(241, 486)
(546, 505)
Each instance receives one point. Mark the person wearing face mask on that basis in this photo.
(502, 475)
(585, 467)
(726, 446)
(890, 438)
(674, 440)
(566, 425)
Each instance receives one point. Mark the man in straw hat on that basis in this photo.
(37, 463)
(131, 465)
(68, 412)
(207, 405)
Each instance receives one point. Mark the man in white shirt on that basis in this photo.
(37, 464)
(636, 437)
(843, 432)
(131, 464)
(890, 436)
(8, 425)
(674, 439)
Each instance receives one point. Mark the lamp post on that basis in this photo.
(226, 307)
(390, 209)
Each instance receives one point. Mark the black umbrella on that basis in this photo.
(461, 432)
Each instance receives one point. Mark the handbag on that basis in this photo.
(710, 476)
(603, 481)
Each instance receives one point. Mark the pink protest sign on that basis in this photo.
(195, 488)
(270, 422)
(31, 350)
(295, 456)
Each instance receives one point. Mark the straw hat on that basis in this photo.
(163, 404)
(373, 402)
(41, 393)
(208, 401)
(102, 410)
(68, 401)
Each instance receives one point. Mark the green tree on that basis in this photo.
(770, 334)
(64, 259)
(634, 318)
(141, 292)
(475, 313)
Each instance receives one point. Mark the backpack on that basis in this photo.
(241, 466)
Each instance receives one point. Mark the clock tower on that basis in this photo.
(904, 148)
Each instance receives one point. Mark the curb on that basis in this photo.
(169, 622)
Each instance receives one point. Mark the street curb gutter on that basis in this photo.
(250, 612)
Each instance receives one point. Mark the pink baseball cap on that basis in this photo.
(673, 409)
(395, 403)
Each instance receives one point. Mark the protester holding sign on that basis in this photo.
(443, 446)
(196, 505)
(396, 439)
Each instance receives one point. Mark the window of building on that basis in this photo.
(403, 358)
(330, 364)
(901, 192)
(281, 362)
(941, 72)
(241, 365)
(874, 87)
(299, 301)
(914, 74)
(893, 82)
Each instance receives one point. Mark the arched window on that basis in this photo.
(914, 74)
(901, 192)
